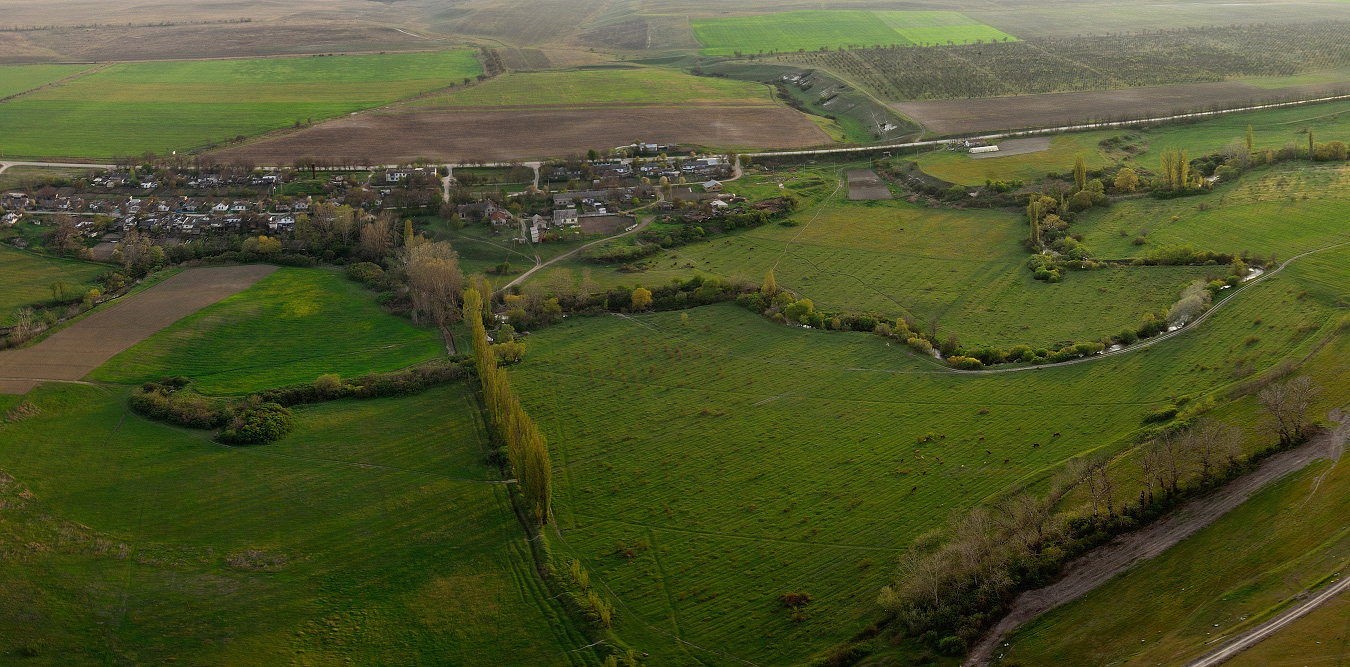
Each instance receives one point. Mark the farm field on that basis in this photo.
(816, 29)
(293, 326)
(635, 86)
(369, 534)
(533, 133)
(28, 279)
(131, 108)
(719, 525)
(15, 79)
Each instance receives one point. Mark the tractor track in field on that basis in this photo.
(1089, 571)
(753, 538)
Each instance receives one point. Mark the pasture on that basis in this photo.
(292, 326)
(28, 279)
(1227, 578)
(962, 272)
(821, 456)
(131, 108)
(813, 30)
(632, 86)
(370, 534)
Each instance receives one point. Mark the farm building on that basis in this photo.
(984, 149)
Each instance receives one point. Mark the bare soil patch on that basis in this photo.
(530, 133)
(865, 185)
(604, 224)
(1025, 111)
(1016, 147)
(73, 352)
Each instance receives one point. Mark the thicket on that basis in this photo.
(949, 589)
(1090, 62)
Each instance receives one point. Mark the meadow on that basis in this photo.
(292, 326)
(811, 30)
(15, 79)
(130, 108)
(821, 455)
(28, 279)
(1234, 574)
(372, 534)
(609, 86)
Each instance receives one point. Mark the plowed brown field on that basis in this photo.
(73, 352)
(515, 134)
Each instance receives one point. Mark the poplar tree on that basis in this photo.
(1251, 142)
(1079, 172)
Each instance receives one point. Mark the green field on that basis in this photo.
(28, 277)
(608, 86)
(130, 108)
(15, 79)
(809, 472)
(812, 29)
(963, 271)
(369, 536)
(1230, 576)
(292, 326)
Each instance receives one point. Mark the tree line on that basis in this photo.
(949, 590)
(526, 448)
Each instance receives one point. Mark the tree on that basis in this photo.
(770, 287)
(1211, 443)
(1287, 404)
(376, 240)
(64, 237)
(1079, 171)
(1310, 143)
(1126, 180)
(1251, 141)
(1034, 216)
(435, 282)
(642, 298)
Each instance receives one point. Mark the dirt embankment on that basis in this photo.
(74, 351)
(1054, 109)
(517, 134)
(1098, 566)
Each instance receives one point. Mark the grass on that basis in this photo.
(645, 85)
(28, 277)
(380, 541)
(130, 108)
(963, 271)
(959, 167)
(1338, 75)
(15, 79)
(292, 326)
(812, 29)
(1225, 579)
(813, 464)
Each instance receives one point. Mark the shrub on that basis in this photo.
(258, 425)
(794, 600)
(365, 272)
(951, 646)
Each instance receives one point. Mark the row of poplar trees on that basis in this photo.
(526, 448)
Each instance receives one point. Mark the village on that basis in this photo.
(577, 197)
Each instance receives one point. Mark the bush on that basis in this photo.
(258, 425)
(365, 272)
(951, 646)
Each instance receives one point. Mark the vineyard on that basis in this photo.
(1058, 64)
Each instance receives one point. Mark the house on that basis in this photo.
(395, 176)
(499, 217)
(564, 217)
(239, 207)
(221, 207)
(712, 186)
(283, 223)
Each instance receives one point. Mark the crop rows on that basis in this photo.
(1055, 64)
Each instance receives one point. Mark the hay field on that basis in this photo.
(131, 108)
(293, 326)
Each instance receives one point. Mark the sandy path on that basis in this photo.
(1098, 566)
(74, 351)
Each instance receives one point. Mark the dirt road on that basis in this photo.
(74, 351)
(1095, 568)
(522, 277)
